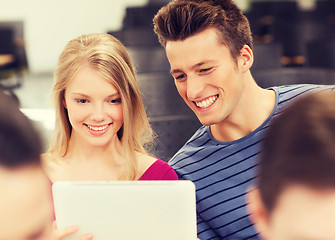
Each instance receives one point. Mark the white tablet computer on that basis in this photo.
(128, 210)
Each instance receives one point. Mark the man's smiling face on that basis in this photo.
(206, 76)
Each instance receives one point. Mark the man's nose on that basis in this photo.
(195, 86)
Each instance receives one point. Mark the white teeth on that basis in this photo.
(206, 103)
(98, 128)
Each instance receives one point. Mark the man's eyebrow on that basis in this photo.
(175, 71)
(172, 71)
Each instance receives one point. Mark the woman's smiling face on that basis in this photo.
(94, 107)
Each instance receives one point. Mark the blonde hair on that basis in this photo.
(109, 57)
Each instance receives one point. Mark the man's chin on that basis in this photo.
(205, 122)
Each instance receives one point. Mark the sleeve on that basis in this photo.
(167, 172)
(159, 170)
(170, 174)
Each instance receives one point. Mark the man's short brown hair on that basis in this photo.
(181, 19)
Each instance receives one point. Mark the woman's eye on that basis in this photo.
(118, 100)
(81, 100)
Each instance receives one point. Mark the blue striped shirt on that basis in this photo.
(222, 172)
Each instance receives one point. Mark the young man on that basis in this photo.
(25, 202)
(295, 194)
(209, 47)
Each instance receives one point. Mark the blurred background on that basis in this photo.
(294, 42)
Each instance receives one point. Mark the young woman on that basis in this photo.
(101, 130)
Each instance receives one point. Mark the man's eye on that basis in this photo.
(118, 100)
(180, 77)
(81, 100)
(205, 69)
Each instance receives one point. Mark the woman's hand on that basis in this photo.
(60, 233)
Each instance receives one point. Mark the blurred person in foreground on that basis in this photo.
(25, 202)
(294, 197)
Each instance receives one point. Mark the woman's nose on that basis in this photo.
(98, 113)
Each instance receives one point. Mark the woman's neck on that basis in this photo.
(87, 162)
(80, 150)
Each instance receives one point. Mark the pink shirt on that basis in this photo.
(159, 170)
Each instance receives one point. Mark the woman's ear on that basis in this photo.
(257, 211)
(246, 58)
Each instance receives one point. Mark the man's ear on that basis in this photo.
(257, 211)
(246, 58)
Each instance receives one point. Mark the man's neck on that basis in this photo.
(254, 108)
